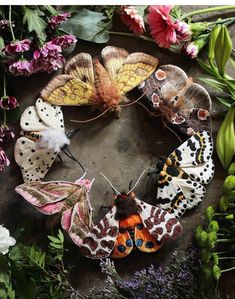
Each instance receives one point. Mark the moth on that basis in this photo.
(88, 82)
(183, 174)
(43, 137)
(179, 101)
(131, 223)
(70, 199)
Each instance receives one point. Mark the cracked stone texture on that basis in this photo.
(119, 148)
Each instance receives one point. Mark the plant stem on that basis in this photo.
(10, 24)
(4, 95)
(132, 35)
(227, 270)
(225, 240)
(227, 258)
(206, 10)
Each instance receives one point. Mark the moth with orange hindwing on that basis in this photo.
(131, 223)
(87, 82)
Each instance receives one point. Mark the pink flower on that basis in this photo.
(21, 67)
(55, 21)
(6, 135)
(5, 23)
(18, 46)
(64, 41)
(3, 159)
(162, 26)
(8, 102)
(48, 58)
(183, 32)
(130, 17)
(193, 48)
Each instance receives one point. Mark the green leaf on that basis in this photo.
(223, 49)
(227, 102)
(57, 246)
(51, 9)
(4, 270)
(207, 68)
(225, 141)
(54, 239)
(232, 62)
(61, 236)
(214, 83)
(35, 22)
(2, 44)
(88, 25)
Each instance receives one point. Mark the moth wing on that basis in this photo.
(123, 245)
(144, 241)
(176, 195)
(67, 90)
(164, 84)
(30, 120)
(101, 240)
(136, 68)
(50, 114)
(80, 66)
(49, 197)
(196, 96)
(113, 59)
(24, 147)
(159, 223)
(78, 219)
(194, 157)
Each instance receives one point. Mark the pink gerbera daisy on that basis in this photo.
(162, 26)
(130, 17)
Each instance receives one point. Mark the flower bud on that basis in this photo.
(231, 169)
(210, 213)
(216, 272)
(229, 183)
(229, 217)
(8, 102)
(224, 203)
(212, 240)
(212, 41)
(193, 48)
(213, 226)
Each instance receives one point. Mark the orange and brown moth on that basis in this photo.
(87, 82)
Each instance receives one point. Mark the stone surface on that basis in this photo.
(119, 148)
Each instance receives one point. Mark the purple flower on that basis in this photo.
(55, 21)
(6, 135)
(17, 46)
(64, 41)
(48, 58)
(8, 102)
(183, 31)
(192, 49)
(3, 159)
(5, 23)
(21, 67)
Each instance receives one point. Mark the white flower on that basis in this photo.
(5, 240)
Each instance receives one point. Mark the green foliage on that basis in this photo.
(89, 25)
(32, 17)
(35, 273)
(225, 141)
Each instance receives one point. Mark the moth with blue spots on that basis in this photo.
(131, 223)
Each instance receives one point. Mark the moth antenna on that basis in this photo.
(130, 184)
(151, 113)
(71, 156)
(91, 119)
(137, 182)
(59, 156)
(110, 183)
(132, 103)
(82, 177)
(177, 136)
(72, 133)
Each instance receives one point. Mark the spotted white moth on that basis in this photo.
(131, 223)
(183, 174)
(43, 136)
(71, 199)
(179, 101)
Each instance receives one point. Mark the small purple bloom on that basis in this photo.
(48, 58)
(64, 41)
(6, 135)
(21, 67)
(3, 159)
(17, 46)
(190, 50)
(8, 102)
(55, 21)
(183, 31)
